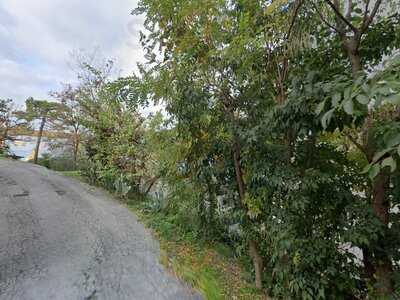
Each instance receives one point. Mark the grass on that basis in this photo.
(74, 174)
(209, 268)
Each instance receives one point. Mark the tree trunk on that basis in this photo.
(39, 139)
(377, 263)
(238, 170)
(383, 264)
(369, 269)
(377, 268)
(76, 148)
(4, 138)
(355, 61)
(258, 263)
(236, 150)
(253, 250)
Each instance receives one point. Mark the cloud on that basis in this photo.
(37, 37)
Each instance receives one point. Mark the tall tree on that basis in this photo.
(242, 81)
(10, 119)
(42, 111)
(353, 22)
(68, 117)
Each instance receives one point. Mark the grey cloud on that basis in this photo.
(37, 36)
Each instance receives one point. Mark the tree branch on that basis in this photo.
(349, 9)
(368, 20)
(354, 141)
(341, 17)
(151, 183)
(365, 16)
(322, 18)
(296, 10)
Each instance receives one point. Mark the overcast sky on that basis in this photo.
(37, 37)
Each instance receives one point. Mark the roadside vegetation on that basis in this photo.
(211, 267)
(273, 169)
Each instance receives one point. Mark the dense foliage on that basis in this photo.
(291, 119)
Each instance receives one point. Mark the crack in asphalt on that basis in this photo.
(23, 194)
(61, 239)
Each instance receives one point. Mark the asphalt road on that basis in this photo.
(61, 239)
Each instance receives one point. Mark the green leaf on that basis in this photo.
(393, 140)
(389, 162)
(362, 99)
(327, 118)
(394, 99)
(384, 90)
(374, 171)
(336, 99)
(379, 155)
(320, 108)
(347, 93)
(348, 107)
(366, 169)
(365, 88)
(395, 85)
(358, 10)
(359, 80)
(398, 150)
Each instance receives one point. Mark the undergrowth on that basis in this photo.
(208, 267)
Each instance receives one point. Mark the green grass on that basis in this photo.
(210, 268)
(74, 174)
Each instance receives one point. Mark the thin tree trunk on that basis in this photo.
(76, 148)
(258, 263)
(4, 138)
(383, 263)
(355, 61)
(151, 184)
(39, 139)
(238, 170)
(236, 150)
(377, 263)
(378, 268)
(253, 250)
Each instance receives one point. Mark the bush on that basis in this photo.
(57, 163)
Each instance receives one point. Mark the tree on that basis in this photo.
(41, 110)
(68, 117)
(10, 119)
(106, 110)
(243, 83)
(5, 118)
(353, 27)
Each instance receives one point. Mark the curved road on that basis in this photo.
(61, 239)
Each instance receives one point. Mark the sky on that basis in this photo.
(37, 38)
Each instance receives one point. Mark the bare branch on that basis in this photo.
(341, 17)
(322, 18)
(368, 19)
(299, 3)
(365, 16)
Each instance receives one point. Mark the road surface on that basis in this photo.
(61, 239)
